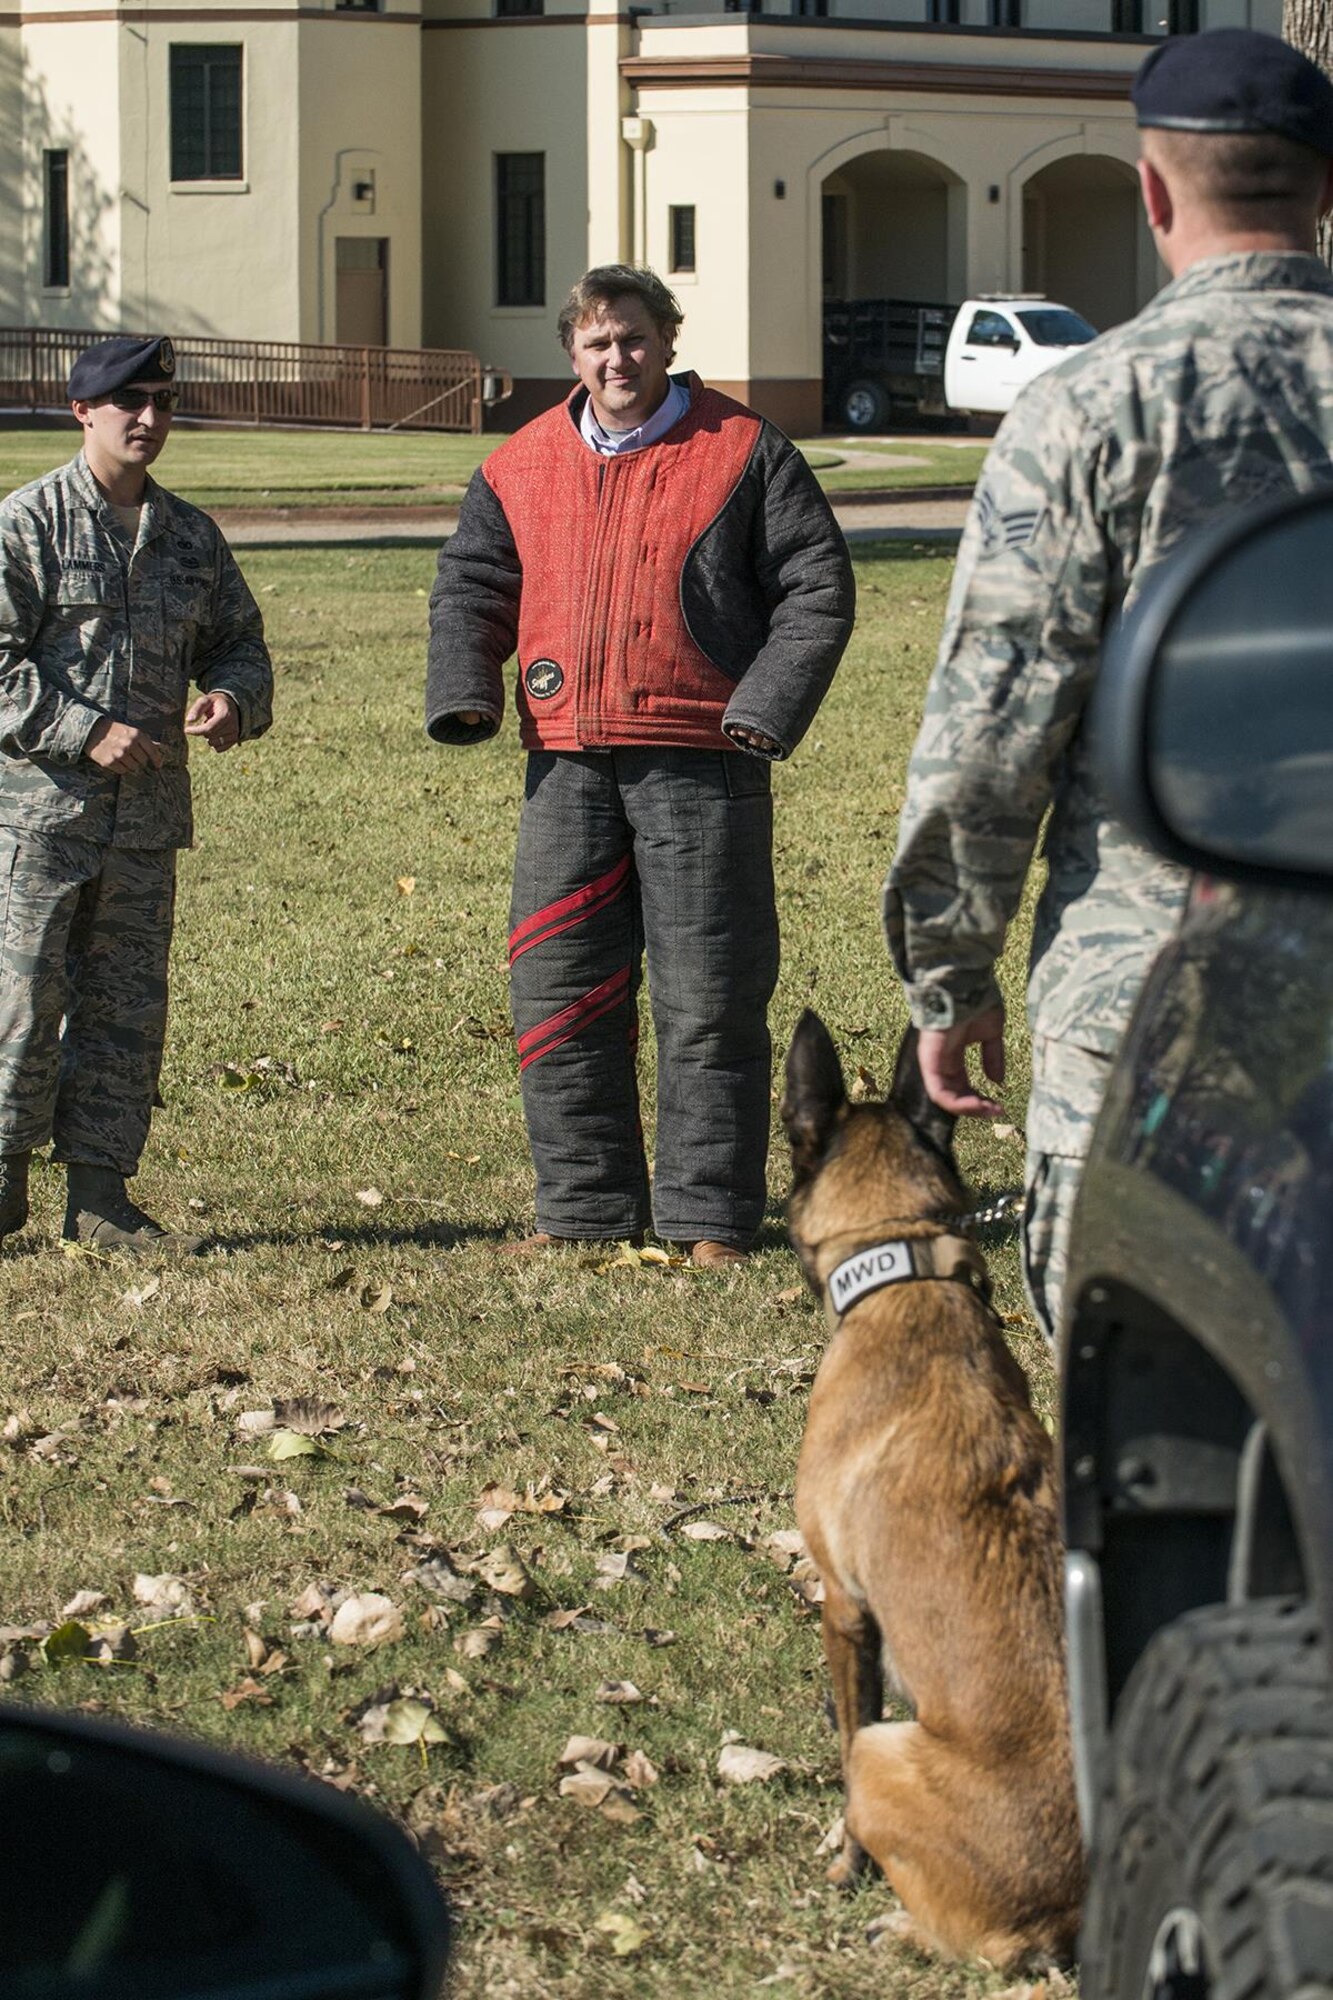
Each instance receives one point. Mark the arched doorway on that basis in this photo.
(893, 229)
(1085, 241)
(894, 226)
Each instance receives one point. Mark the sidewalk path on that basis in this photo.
(905, 518)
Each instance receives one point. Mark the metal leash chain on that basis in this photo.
(992, 1212)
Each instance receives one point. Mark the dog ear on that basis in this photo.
(815, 1092)
(909, 1096)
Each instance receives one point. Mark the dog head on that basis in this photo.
(857, 1166)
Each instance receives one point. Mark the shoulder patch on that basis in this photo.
(1005, 528)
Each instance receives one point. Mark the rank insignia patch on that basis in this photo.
(1015, 528)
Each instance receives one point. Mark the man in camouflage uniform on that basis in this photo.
(1219, 393)
(113, 595)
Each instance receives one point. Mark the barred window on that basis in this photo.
(520, 229)
(205, 111)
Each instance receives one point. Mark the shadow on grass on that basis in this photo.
(422, 1235)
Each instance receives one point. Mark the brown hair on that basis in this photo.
(596, 288)
(1247, 180)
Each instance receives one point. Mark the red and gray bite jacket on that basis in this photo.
(669, 595)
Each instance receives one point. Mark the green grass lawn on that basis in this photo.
(342, 1113)
(295, 468)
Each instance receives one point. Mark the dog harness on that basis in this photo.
(899, 1262)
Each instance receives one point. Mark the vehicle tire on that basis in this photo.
(865, 406)
(1211, 1874)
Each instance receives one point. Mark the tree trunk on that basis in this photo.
(1308, 26)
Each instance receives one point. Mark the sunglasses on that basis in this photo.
(131, 400)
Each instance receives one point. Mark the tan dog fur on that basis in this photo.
(926, 1494)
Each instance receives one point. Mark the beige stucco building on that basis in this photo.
(437, 174)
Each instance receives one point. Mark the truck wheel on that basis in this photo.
(1211, 1874)
(865, 406)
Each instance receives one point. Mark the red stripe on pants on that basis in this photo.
(569, 910)
(562, 1027)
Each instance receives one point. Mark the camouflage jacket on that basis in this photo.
(1220, 392)
(90, 628)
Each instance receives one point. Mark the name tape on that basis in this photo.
(868, 1271)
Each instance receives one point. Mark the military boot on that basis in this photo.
(13, 1192)
(100, 1213)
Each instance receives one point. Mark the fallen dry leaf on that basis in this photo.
(407, 1507)
(366, 1619)
(315, 1602)
(502, 1570)
(740, 1764)
(475, 1645)
(704, 1531)
(164, 1597)
(256, 1423)
(622, 1692)
(247, 1689)
(84, 1603)
(406, 884)
(612, 1569)
(864, 1085)
(376, 1297)
(560, 1621)
(626, 1933)
(589, 1750)
(588, 1786)
(369, 1197)
(640, 1771)
(285, 1444)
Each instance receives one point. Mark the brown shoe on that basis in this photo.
(541, 1239)
(710, 1256)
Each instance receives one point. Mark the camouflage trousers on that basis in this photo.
(85, 933)
(1068, 1084)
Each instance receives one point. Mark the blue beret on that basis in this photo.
(124, 358)
(1235, 80)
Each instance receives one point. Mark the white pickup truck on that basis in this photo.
(887, 358)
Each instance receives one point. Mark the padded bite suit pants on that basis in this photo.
(667, 851)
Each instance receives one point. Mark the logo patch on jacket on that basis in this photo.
(543, 678)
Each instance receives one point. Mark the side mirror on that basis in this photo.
(138, 1867)
(1212, 718)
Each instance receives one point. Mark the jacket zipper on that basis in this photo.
(585, 722)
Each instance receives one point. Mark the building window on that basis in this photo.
(810, 9)
(1006, 13)
(520, 229)
(682, 238)
(1182, 17)
(55, 220)
(944, 11)
(512, 10)
(356, 6)
(206, 111)
(1126, 17)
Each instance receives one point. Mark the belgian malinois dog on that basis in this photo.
(926, 1494)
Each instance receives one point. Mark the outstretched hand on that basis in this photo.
(942, 1053)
